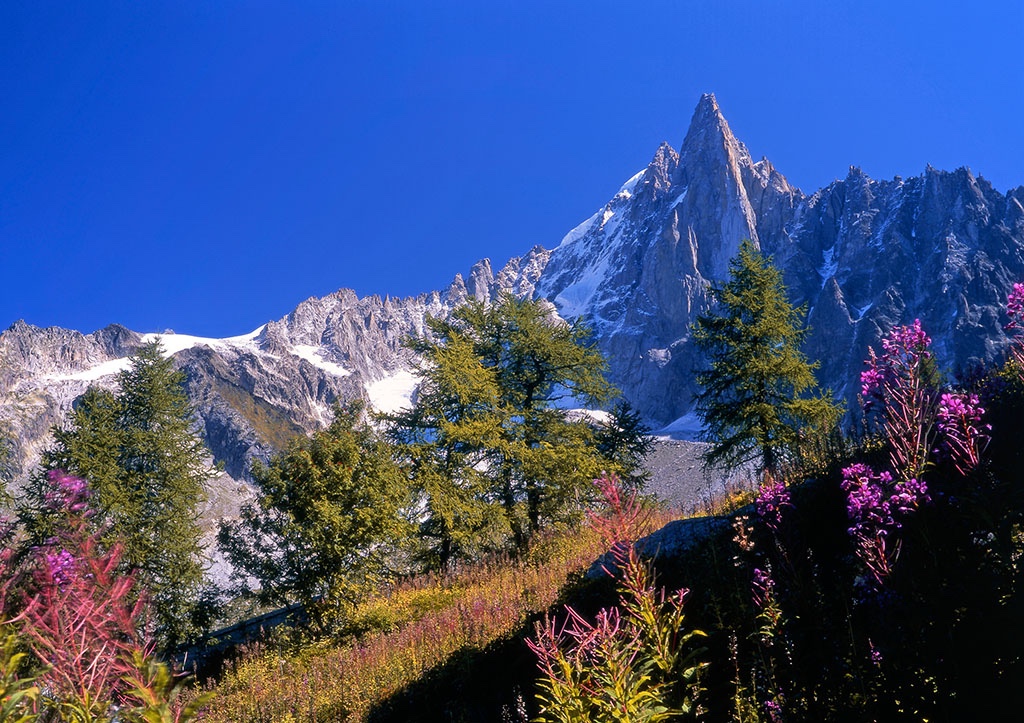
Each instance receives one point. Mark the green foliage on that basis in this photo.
(489, 449)
(754, 395)
(636, 662)
(626, 440)
(146, 468)
(327, 521)
(18, 692)
(152, 693)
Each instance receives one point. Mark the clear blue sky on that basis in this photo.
(204, 166)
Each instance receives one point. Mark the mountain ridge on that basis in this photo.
(861, 254)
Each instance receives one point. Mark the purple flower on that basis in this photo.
(871, 381)
(774, 711)
(964, 437)
(61, 567)
(875, 506)
(67, 492)
(772, 496)
(1015, 306)
(907, 343)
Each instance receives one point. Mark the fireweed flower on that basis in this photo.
(772, 497)
(61, 566)
(763, 587)
(964, 437)
(67, 492)
(898, 383)
(1015, 307)
(875, 505)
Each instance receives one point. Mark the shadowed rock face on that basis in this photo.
(861, 254)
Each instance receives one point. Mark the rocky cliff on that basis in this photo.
(862, 255)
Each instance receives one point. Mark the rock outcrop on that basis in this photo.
(862, 255)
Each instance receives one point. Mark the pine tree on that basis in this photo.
(754, 397)
(327, 521)
(146, 467)
(443, 442)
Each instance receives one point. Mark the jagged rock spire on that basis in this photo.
(712, 167)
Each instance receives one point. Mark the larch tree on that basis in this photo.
(147, 469)
(758, 395)
(490, 429)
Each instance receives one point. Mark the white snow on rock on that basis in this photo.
(173, 343)
(312, 354)
(688, 427)
(106, 369)
(394, 392)
(601, 217)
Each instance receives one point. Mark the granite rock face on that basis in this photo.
(254, 392)
(861, 254)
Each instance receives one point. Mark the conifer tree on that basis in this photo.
(443, 441)
(756, 395)
(327, 521)
(488, 429)
(625, 439)
(147, 468)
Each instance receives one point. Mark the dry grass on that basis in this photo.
(399, 637)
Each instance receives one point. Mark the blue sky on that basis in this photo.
(206, 166)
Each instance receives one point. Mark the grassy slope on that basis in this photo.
(458, 636)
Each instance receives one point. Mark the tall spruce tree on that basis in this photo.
(757, 396)
(326, 524)
(146, 469)
(489, 429)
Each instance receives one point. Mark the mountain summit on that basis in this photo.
(862, 255)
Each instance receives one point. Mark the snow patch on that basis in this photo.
(688, 427)
(580, 231)
(629, 186)
(313, 354)
(394, 392)
(597, 416)
(862, 311)
(174, 343)
(574, 300)
(829, 264)
(679, 198)
(601, 217)
(106, 369)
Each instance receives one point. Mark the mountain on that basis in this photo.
(861, 254)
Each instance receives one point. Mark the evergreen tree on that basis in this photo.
(146, 468)
(625, 439)
(327, 521)
(6, 465)
(488, 429)
(754, 396)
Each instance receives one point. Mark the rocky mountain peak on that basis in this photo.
(709, 135)
(716, 170)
